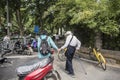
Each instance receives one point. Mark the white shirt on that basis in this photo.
(74, 42)
(6, 38)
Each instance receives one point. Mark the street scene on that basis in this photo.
(84, 69)
(59, 39)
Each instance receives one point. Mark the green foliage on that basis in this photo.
(110, 28)
(111, 42)
(98, 16)
(30, 13)
(95, 15)
(91, 15)
(114, 5)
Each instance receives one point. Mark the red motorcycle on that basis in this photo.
(42, 69)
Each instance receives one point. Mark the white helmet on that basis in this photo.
(68, 33)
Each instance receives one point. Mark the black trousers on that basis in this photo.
(69, 54)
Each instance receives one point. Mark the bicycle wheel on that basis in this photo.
(61, 55)
(21, 78)
(102, 62)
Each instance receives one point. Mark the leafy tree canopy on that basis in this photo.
(100, 16)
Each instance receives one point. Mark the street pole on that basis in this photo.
(8, 32)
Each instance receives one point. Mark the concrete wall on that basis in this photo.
(106, 53)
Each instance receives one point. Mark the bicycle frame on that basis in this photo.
(100, 58)
(97, 54)
(61, 55)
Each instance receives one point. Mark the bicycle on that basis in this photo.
(61, 55)
(96, 54)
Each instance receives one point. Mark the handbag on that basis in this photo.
(68, 46)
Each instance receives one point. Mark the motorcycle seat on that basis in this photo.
(23, 70)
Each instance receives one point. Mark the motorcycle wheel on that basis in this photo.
(52, 77)
(21, 78)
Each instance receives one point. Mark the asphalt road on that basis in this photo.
(80, 67)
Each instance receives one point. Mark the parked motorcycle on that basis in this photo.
(18, 47)
(22, 49)
(42, 69)
(3, 59)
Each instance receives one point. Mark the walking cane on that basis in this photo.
(83, 68)
(82, 65)
(78, 56)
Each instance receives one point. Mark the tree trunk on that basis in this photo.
(18, 15)
(98, 40)
(0, 24)
(0, 21)
(61, 31)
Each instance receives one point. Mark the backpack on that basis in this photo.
(44, 47)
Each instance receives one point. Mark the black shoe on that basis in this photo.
(66, 70)
(72, 75)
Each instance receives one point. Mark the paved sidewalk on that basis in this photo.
(82, 66)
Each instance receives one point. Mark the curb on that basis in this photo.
(95, 62)
(22, 56)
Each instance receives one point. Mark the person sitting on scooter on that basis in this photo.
(41, 45)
